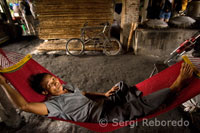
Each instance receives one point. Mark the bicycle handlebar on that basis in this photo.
(85, 24)
(105, 24)
(186, 46)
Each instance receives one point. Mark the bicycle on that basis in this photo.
(184, 47)
(110, 46)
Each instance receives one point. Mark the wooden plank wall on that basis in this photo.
(62, 19)
(3, 36)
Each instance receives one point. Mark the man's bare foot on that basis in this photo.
(186, 72)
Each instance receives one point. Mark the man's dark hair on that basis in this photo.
(35, 82)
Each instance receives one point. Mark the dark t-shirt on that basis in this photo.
(74, 106)
(26, 8)
(167, 7)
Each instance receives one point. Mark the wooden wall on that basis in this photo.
(3, 36)
(62, 19)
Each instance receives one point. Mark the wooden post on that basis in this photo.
(136, 43)
(8, 113)
(6, 10)
(123, 21)
(133, 27)
(130, 13)
(144, 11)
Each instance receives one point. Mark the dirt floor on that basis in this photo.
(96, 73)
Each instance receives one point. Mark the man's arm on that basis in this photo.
(21, 7)
(18, 99)
(94, 95)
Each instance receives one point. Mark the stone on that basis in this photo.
(156, 23)
(182, 21)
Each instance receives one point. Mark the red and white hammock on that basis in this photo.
(18, 72)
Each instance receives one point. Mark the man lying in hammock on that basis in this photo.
(121, 103)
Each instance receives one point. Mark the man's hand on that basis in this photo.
(111, 91)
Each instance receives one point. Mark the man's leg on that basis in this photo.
(186, 72)
(167, 16)
(154, 100)
(27, 23)
(162, 15)
(30, 22)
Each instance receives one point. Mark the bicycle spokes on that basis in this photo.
(112, 47)
(75, 46)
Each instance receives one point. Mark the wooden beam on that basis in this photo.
(133, 27)
(144, 11)
(136, 44)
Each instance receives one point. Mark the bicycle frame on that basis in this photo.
(95, 37)
(186, 46)
(100, 40)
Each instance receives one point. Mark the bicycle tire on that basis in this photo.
(75, 46)
(113, 47)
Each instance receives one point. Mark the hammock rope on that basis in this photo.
(11, 61)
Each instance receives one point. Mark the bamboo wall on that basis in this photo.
(62, 19)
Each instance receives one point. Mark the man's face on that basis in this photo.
(52, 85)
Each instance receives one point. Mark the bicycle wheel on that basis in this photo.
(113, 47)
(75, 46)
